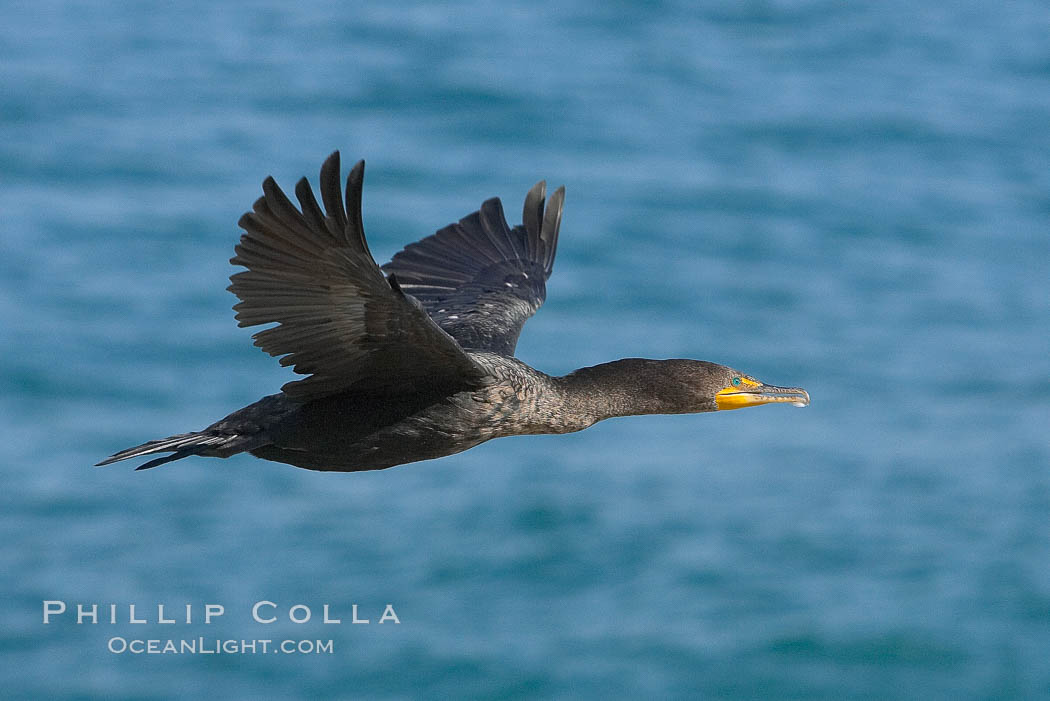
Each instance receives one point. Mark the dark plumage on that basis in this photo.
(418, 363)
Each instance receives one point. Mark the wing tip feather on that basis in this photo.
(551, 226)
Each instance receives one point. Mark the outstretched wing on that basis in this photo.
(481, 280)
(338, 319)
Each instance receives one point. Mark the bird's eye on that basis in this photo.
(736, 381)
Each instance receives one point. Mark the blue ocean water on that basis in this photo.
(849, 197)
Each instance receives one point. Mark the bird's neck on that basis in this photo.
(627, 387)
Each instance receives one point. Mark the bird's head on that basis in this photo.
(739, 390)
(707, 386)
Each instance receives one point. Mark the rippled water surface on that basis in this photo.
(849, 197)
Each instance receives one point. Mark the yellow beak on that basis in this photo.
(740, 397)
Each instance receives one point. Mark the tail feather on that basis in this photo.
(181, 446)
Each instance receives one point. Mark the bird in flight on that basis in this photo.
(414, 360)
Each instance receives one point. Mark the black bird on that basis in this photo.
(419, 363)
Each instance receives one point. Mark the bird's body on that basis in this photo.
(418, 363)
(369, 431)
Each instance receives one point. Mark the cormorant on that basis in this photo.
(418, 363)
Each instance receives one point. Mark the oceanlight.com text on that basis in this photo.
(217, 646)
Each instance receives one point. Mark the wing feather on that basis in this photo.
(480, 279)
(339, 320)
